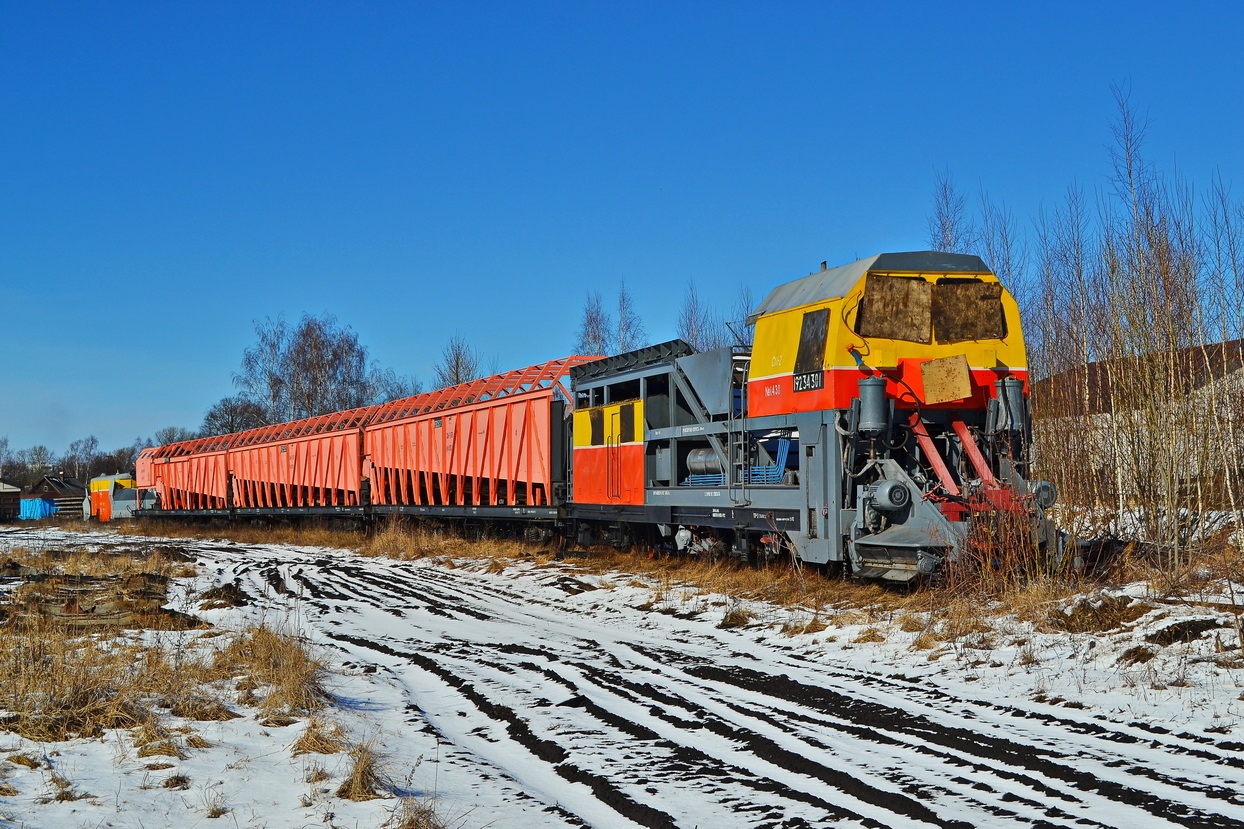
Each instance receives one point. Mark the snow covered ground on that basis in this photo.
(545, 697)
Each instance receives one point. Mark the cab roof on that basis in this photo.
(832, 283)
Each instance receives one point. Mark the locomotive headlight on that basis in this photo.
(890, 496)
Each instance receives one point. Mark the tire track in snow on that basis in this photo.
(978, 768)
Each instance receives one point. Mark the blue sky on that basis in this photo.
(172, 172)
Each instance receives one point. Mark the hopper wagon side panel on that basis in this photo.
(482, 455)
(484, 443)
(316, 462)
(197, 481)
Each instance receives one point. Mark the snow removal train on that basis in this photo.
(881, 410)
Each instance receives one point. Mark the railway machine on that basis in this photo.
(881, 410)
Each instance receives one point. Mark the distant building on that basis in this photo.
(59, 496)
(10, 501)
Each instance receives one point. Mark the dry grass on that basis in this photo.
(176, 781)
(868, 635)
(416, 813)
(59, 686)
(27, 761)
(735, 617)
(63, 680)
(364, 780)
(268, 659)
(328, 534)
(320, 738)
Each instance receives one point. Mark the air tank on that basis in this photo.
(703, 462)
(874, 408)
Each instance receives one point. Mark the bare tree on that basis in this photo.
(594, 327)
(81, 455)
(173, 434)
(459, 363)
(698, 326)
(262, 377)
(630, 326)
(1005, 251)
(29, 465)
(388, 385)
(597, 333)
(742, 331)
(120, 460)
(312, 369)
(325, 368)
(6, 457)
(233, 414)
(950, 227)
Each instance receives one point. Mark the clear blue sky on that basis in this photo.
(170, 172)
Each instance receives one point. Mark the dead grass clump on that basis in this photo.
(223, 595)
(398, 539)
(1136, 655)
(1097, 614)
(8, 789)
(405, 539)
(814, 625)
(849, 618)
(925, 641)
(65, 789)
(164, 748)
(416, 813)
(154, 740)
(735, 616)
(868, 635)
(27, 761)
(364, 780)
(281, 664)
(176, 781)
(911, 623)
(320, 738)
(200, 708)
(316, 774)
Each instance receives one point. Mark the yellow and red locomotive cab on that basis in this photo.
(892, 314)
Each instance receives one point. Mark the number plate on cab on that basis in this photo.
(809, 381)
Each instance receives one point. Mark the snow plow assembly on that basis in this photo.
(880, 411)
